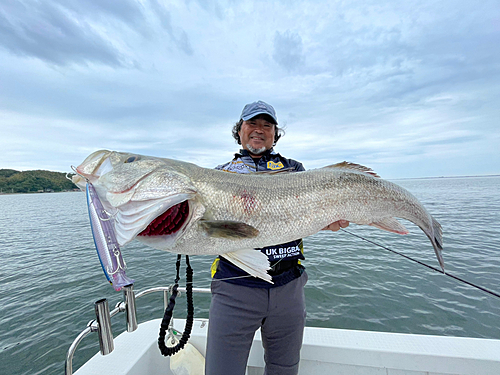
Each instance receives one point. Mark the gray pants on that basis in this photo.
(236, 312)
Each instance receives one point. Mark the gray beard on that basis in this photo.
(256, 151)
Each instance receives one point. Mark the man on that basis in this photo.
(240, 303)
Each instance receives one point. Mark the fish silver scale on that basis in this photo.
(294, 205)
(282, 207)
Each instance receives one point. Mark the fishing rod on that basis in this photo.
(426, 265)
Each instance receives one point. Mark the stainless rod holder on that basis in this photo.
(104, 326)
(130, 311)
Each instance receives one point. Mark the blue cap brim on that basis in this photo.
(258, 108)
(252, 115)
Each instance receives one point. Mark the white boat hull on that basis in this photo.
(324, 351)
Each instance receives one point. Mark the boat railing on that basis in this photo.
(102, 323)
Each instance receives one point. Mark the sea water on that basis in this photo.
(50, 275)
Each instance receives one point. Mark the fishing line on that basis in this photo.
(426, 265)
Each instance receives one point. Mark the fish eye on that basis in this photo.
(131, 159)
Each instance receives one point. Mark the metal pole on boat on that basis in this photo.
(104, 326)
(130, 311)
(91, 327)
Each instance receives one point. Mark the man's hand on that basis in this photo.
(337, 225)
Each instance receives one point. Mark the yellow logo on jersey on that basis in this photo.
(272, 165)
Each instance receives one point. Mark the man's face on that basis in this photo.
(257, 135)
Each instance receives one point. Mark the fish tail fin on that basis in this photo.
(251, 261)
(437, 241)
(435, 233)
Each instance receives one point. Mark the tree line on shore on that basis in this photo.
(12, 181)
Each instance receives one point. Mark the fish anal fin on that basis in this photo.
(354, 167)
(251, 261)
(228, 229)
(390, 224)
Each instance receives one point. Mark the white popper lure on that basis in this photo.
(105, 241)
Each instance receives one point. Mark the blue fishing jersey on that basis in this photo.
(284, 258)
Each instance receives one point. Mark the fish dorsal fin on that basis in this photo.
(353, 167)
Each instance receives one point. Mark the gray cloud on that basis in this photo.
(179, 37)
(53, 33)
(409, 88)
(66, 32)
(288, 50)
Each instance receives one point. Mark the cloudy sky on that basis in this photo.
(409, 88)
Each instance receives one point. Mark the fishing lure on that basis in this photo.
(105, 241)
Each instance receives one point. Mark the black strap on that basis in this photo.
(165, 323)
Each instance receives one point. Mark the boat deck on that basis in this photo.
(325, 351)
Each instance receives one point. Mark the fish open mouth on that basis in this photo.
(169, 222)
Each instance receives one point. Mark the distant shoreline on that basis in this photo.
(443, 177)
(42, 192)
(33, 182)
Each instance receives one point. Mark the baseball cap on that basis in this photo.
(257, 108)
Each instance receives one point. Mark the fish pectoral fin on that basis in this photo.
(390, 224)
(353, 167)
(251, 261)
(228, 229)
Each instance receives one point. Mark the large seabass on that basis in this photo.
(182, 208)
